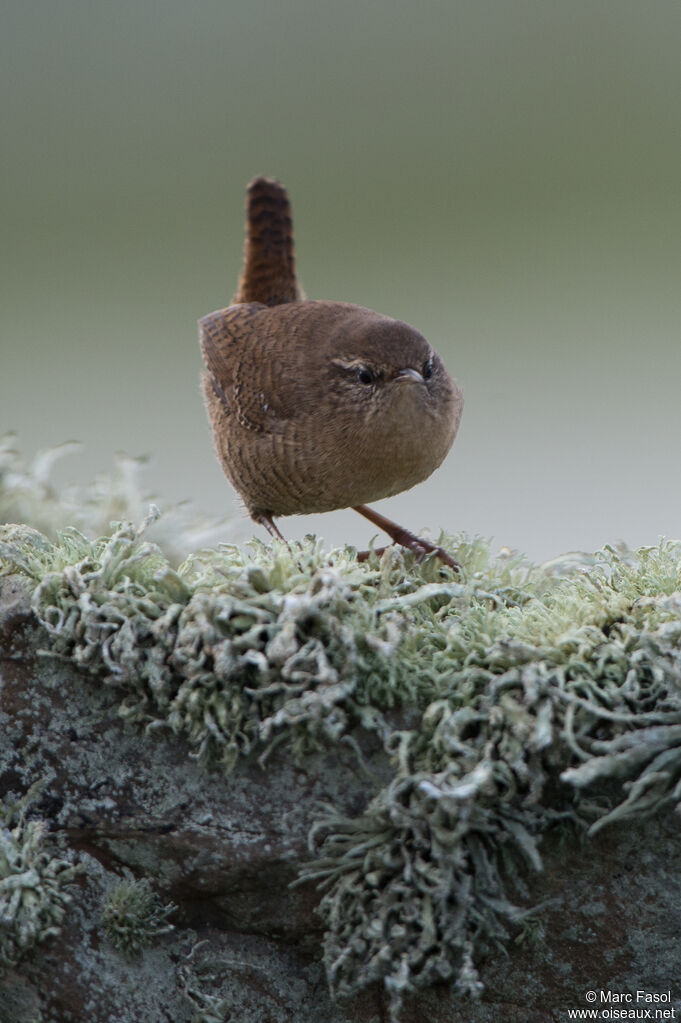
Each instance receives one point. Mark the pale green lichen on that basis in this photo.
(581, 685)
(233, 651)
(30, 494)
(194, 976)
(134, 917)
(508, 697)
(34, 883)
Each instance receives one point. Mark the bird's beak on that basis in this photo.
(410, 374)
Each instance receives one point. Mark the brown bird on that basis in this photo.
(319, 405)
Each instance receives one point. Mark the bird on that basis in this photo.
(318, 405)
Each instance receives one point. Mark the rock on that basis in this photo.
(223, 850)
(131, 806)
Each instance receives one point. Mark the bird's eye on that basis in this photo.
(427, 370)
(365, 376)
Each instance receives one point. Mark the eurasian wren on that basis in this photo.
(318, 405)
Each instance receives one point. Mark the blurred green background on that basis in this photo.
(503, 174)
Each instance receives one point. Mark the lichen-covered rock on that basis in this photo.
(128, 804)
(334, 791)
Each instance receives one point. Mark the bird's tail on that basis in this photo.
(269, 273)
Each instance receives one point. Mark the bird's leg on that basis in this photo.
(266, 520)
(403, 537)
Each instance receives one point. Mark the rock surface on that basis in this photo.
(129, 804)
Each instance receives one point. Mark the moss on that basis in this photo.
(509, 697)
(34, 883)
(134, 917)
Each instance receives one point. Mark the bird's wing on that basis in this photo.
(224, 337)
(260, 359)
(239, 346)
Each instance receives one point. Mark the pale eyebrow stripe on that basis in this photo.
(352, 364)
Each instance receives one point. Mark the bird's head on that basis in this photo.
(389, 373)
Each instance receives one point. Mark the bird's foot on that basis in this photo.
(365, 555)
(404, 538)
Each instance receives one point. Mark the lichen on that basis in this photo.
(134, 916)
(34, 883)
(579, 686)
(208, 1008)
(234, 651)
(509, 697)
(30, 494)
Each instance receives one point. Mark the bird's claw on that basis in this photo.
(420, 548)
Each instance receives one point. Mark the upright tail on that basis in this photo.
(269, 273)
